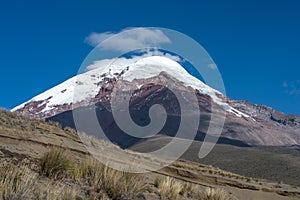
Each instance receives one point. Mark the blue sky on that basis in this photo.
(255, 44)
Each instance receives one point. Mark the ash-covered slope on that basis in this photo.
(246, 123)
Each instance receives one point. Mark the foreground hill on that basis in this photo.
(31, 151)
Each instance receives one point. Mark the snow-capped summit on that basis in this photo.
(86, 85)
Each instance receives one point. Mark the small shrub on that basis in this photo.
(55, 164)
(248, 179)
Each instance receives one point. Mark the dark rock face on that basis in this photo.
(265, 126)
(141, 101)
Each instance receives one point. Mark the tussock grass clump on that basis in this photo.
(116, 184)
(89, 171)
(103, 181)
(16, 183)
(20, 182)
(122, 185)
(214, 194)
(55, 164)
(69, 193)
(56, 190)
(168, 188)
(188, 190)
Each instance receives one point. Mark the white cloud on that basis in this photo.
(100, 63)
(212, 66)
(96, 38)
(128, 39)
(292, 87)
(156, 52)
(295, 91)
(117, 62)
(122, 61)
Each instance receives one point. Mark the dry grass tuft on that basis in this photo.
(168, 188)
(116, 184)
(55, 164)
(16, 183)
(57, 191)
(214, 194)
(103, 182)
(122, 185)
(23, 183)
(189, 190)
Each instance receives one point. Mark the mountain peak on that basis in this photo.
(146, 79)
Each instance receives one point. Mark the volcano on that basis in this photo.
(147, 81)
